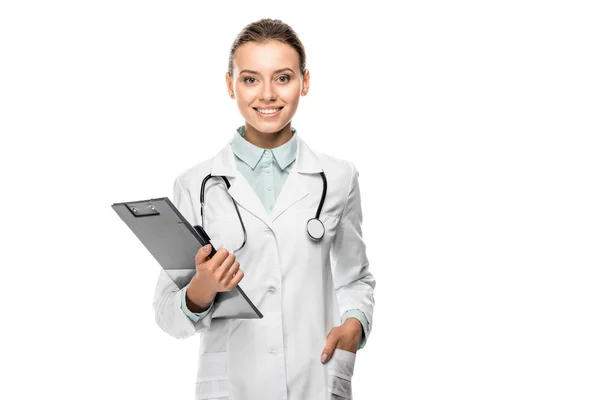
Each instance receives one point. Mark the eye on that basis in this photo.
(287, 78)
(248, 77)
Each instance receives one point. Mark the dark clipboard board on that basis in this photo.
(174, 243)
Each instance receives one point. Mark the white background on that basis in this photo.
(474, 126)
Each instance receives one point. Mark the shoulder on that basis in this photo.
(337, 169)
(192, 174)
(333, 163)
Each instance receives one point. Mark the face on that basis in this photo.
(266, 77)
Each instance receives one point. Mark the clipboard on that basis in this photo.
(174, 243)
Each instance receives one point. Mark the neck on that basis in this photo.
(268, 140)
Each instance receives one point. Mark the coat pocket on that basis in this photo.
(340, 369)
(212, 381)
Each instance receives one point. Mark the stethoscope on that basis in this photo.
(314, 226)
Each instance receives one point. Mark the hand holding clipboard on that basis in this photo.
(175, 244)
(216, 271)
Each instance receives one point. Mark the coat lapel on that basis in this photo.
(296, 186)
(294, 189)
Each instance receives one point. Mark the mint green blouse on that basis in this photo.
(266, 171)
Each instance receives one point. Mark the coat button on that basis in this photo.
(272, 290)
(273, 351)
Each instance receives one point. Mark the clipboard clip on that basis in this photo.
(142, 208)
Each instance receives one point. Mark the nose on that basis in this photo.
(267, 92)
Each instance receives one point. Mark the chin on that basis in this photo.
(267, 130)
(266, 127)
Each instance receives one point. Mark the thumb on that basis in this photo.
(329, 348)
(203, 254)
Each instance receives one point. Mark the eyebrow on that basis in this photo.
(258, 73)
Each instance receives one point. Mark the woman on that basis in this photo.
(316, 295)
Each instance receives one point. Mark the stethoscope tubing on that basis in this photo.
(318, 214)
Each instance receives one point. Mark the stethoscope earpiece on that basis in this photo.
(315, 229)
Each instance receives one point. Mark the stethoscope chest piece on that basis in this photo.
(314, 226)
(315, 229)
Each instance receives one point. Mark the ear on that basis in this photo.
(229, 83)
(305, 82)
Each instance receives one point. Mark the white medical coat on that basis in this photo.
(302, 287)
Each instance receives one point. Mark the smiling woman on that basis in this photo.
(267, 76)
(315, 291)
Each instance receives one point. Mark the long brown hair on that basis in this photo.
(262, 31)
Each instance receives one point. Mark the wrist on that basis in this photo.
(198, 301)
(356, 326)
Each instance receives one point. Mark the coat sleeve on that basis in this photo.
(195, 317)
(354, 284)
(168, 298)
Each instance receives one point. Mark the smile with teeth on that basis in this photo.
(268, 111)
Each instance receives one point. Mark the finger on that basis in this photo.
(332, 340)
(231, 272)
(202, 254)
(234, 275)
(220, 256)
(223, 270)
(237, 278)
